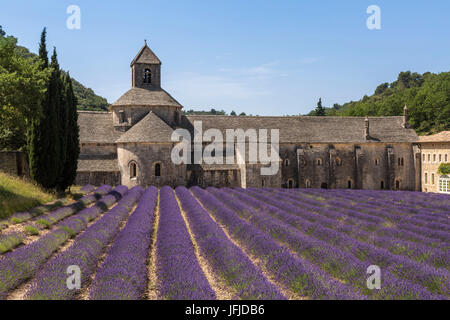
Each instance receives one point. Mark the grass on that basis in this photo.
(9, 242)
(31, 230)
(18, 195)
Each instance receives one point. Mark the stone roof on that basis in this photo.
(314, 129)
(150, 129)
(97, 127)
(146, 97)
(98, 165)
(443, 136)
(146, 55)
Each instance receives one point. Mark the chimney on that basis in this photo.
(405, 123)
(366, 129)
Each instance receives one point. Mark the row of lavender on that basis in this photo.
(23, 263)
(376, 226)
(260, 243)
(326, 236)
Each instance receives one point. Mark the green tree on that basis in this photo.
(2, 33)
(22, 87)
(44, 145)
(233, 113)
(382, 88)
(320, 110)
(72, 144)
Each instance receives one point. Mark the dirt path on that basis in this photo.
(152, 286)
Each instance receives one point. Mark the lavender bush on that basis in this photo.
(22, 263)
(179, 273)
(123, 274)
(50, 282)
(226, 259)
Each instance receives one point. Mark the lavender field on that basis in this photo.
(231, 244)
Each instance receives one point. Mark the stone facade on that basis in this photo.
(132, 145)
(435, 150)
(14, 163)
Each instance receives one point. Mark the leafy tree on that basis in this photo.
(242, 114)
(444, 168)
(233, 113)
(22, 87)
(427, 97)
(320, 111)
(2, 33)
(382, 88)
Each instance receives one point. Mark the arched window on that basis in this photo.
(157, 170)
(286, 162)
(147, 76)
(133, 170)
(423, 157)
(432, 178)
(349, 184)
(377, 161)
(319, 161)
(308, 183)
(402, 162)
(290, 184)
(382, 185)
(263, 183)
(397, 184)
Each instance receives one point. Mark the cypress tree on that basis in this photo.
(37, 139)
(72, 145)
(320, 111)
(53, 120)
(63, 133)
(44, 136)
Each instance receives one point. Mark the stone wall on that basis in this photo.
(14, 163)
(97, 178)
(137, 75)
(364, 166)
(433, 154)
(147, 156)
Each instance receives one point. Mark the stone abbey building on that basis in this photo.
(132, 145)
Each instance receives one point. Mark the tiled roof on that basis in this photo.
(314, 129)
(443, 136)
(98, 165)
(146, 97)
(150, 129)
(146, 55)
(97, 127)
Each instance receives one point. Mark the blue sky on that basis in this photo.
(261, 57)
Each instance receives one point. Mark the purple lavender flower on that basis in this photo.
(179, 273)
(123, 274)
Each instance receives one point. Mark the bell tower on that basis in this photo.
(146, 69)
